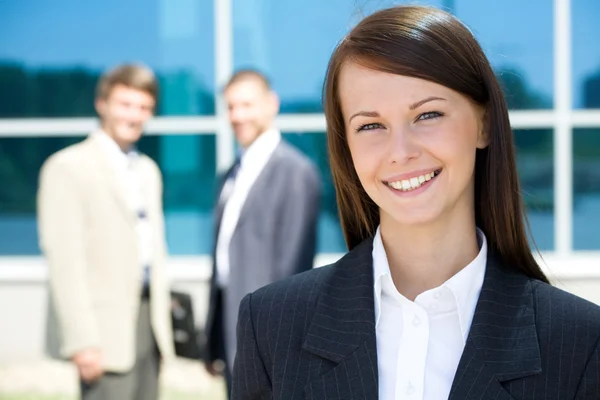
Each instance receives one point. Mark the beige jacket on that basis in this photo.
(87, 234)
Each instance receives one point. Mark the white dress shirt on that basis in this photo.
(132, 185)
(420, 343)
(252, 163)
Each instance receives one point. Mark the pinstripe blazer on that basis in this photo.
(312, 336)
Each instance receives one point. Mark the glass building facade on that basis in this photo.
(51, 55)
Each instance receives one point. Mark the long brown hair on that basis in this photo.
(428, 43)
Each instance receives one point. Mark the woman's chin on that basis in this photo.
(412, 218)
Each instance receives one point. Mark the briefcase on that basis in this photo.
(185, 335)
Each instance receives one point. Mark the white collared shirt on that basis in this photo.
(252, 163)
(132, 184)
(420, 343)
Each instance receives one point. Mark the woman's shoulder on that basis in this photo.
(559, 309)
(353, 270)
(301, 289)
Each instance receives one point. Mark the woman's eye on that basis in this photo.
(429, 115)
(368, 127)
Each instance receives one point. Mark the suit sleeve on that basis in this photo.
(589, 385)
(61, 230)
(296, 238)
(250, 379)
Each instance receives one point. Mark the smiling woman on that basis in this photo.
(440, 296)
(418, 144)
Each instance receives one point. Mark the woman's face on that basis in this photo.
(413, 144)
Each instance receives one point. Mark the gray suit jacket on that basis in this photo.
(313, 336)
(274, 238)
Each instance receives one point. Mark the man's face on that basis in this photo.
(124, 113)
(252, 108)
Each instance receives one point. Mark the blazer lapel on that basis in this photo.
(502, 344)
(260, 188)
(222, 197)
(343, 331)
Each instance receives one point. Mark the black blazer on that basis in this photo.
(313, 337)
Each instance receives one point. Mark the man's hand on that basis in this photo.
(89, 364)
(214, 368)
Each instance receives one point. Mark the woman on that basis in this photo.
(439, 296)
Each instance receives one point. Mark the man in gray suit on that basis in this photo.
(266, 214)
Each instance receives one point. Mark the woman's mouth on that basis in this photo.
(408, 185)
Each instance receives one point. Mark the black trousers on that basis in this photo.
(217, 336)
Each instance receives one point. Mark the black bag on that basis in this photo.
(185, 335)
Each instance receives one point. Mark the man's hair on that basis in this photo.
(134, 76)
(248, 74)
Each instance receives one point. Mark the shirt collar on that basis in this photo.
(112, 148)
(465, 285)
(261, 147)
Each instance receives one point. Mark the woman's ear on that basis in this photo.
(483, 139)
(483, 136)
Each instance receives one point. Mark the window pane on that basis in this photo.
(535, 166)
(586, 53)
(20, 162)
(188, 168)
(188, 165)
(56, 51)
(586, 189)
(292, 41)
(314, 145)
(517, 37)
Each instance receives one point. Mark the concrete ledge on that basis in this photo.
(577, 265)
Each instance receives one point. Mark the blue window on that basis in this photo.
(586, 53)
(53, 52)
(292, 41)
(535, 166)
(586, 189)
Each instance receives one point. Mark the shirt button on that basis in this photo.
(416, 321)
(410, 389)
(436, 295)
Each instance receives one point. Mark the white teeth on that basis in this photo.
(412, 183)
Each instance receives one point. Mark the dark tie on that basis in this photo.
(233, 171)
(229, 182)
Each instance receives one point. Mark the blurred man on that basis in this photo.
(102, 232)
(266, 216)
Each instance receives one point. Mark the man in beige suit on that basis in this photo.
(101, 230)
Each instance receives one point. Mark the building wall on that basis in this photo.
(52, 54)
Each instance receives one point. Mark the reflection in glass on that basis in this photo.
(50, 65)
(586, 189)
(522, 55)
(535, 166)
(20, 162)
(314, 145)
(585, 53)
(187, 164)
(291, 41)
